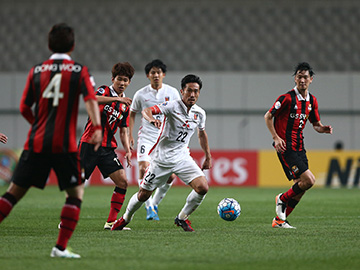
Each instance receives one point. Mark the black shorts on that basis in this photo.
(105, 158)
(294, 163)
(33, 169)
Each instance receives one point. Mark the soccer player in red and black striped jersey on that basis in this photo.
(114, 111)
(53, 87)
(286, 120)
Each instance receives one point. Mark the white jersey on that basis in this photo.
(176, 131)
(148, 97)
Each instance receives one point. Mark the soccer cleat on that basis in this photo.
(151, 214)
(277, 223)
(157, 213)
(108, 226)
(280, 208)
(55, 252)
(119, 224)
(185, 224)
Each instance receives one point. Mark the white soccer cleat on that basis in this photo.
(281, 224)
(280, 208)
(55, 252)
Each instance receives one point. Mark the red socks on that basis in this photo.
(7, 202)
(69, 218)
(292, 192)
(117, 201)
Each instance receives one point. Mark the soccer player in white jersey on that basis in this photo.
(154, 93)
(171, 153)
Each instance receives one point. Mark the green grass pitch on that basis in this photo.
(327, 234)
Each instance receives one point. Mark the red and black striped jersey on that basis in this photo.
(113, 115)
(291, 112)
(54, 87)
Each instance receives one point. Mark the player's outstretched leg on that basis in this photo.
(193, 201)
(133, 205)
(150, 212)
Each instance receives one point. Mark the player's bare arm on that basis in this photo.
(280, 145)
(108, 100)
(131, 129)
(125, 142)
(319, 127)
(92, 109)
(148, 116)
(204, 143)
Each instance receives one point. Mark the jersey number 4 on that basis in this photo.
(52, 90)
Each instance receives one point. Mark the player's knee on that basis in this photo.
(144, 195)
(202, 189)
(307, 182)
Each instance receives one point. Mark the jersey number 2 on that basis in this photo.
(52, 90)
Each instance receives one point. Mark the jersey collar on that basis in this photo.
(57, 56)
(299, 96)
(153, 89)
(113, 92)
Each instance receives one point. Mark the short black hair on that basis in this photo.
(123, 69)
(61, 38)
(155, 63)
(191, 78)
(304, 66)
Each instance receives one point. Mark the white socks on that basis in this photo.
(160, 193)
(192, 202)
(133, 205)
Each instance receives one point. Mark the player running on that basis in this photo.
(154, 93)
(171, 153)
(286, 120)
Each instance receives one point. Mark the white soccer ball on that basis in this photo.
(229, 209)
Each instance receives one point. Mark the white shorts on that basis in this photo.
(143, 148)
(156, 175)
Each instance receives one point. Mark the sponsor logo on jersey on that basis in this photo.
(186, 124)
(113, 111)
(277, 105)
(295, 169)
(301, 116)
(101, 91)
(164, 104)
